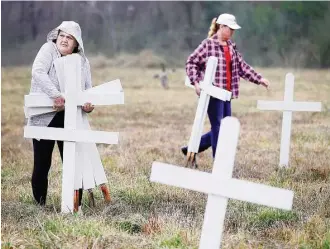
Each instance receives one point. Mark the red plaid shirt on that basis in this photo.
(196, 65)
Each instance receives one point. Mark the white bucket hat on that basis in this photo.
(72, 28)
(228, 20)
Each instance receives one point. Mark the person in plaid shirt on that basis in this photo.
(231, 66)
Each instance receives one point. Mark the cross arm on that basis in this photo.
(289, 106)
(216, 92)
(109, 93)
(101, 99)
(212, 90)
(43, 100)
(85, 136)
(229, 188)
(111, 86)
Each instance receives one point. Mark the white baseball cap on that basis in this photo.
(228, 20)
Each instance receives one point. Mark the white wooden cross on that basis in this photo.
(207, 90)
(220, 185)
(81, 161)
(288, 106)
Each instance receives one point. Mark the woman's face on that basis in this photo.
(65, 43)
(226, 32)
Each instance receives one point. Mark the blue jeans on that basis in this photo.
(216, 111)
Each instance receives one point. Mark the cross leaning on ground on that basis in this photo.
(220, 186)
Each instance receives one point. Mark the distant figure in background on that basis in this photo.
(231, 66)
(163, 77)
(61, 41)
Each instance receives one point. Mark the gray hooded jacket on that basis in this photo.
(44, 78)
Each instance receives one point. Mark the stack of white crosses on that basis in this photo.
(220, 186)
(82, 166)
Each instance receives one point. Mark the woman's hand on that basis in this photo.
(197, 88)
(88, 107)
(59, 104)
(265, 82)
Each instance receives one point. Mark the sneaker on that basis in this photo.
(184, 150)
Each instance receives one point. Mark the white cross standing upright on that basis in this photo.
(288, 106)
(207, 90)
(220, 185)
(81, 162)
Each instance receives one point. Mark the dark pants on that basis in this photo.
(216, 111)
(43, 150)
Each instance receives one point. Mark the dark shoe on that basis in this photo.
(184, 150)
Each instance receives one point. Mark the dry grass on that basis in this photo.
(144, 59)
(154, 123)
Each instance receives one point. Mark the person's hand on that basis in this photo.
(87, 107)
(197, 88)
(59, 104)
(264, 82)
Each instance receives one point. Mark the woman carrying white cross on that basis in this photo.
(61, 41)
(231, 66)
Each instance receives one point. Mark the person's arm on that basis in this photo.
(40, 69)
(246, 71)
(196, 62)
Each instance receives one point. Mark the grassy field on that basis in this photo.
(153, 124)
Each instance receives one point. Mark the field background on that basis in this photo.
(153, 124)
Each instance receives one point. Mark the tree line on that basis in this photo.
(273, 34)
